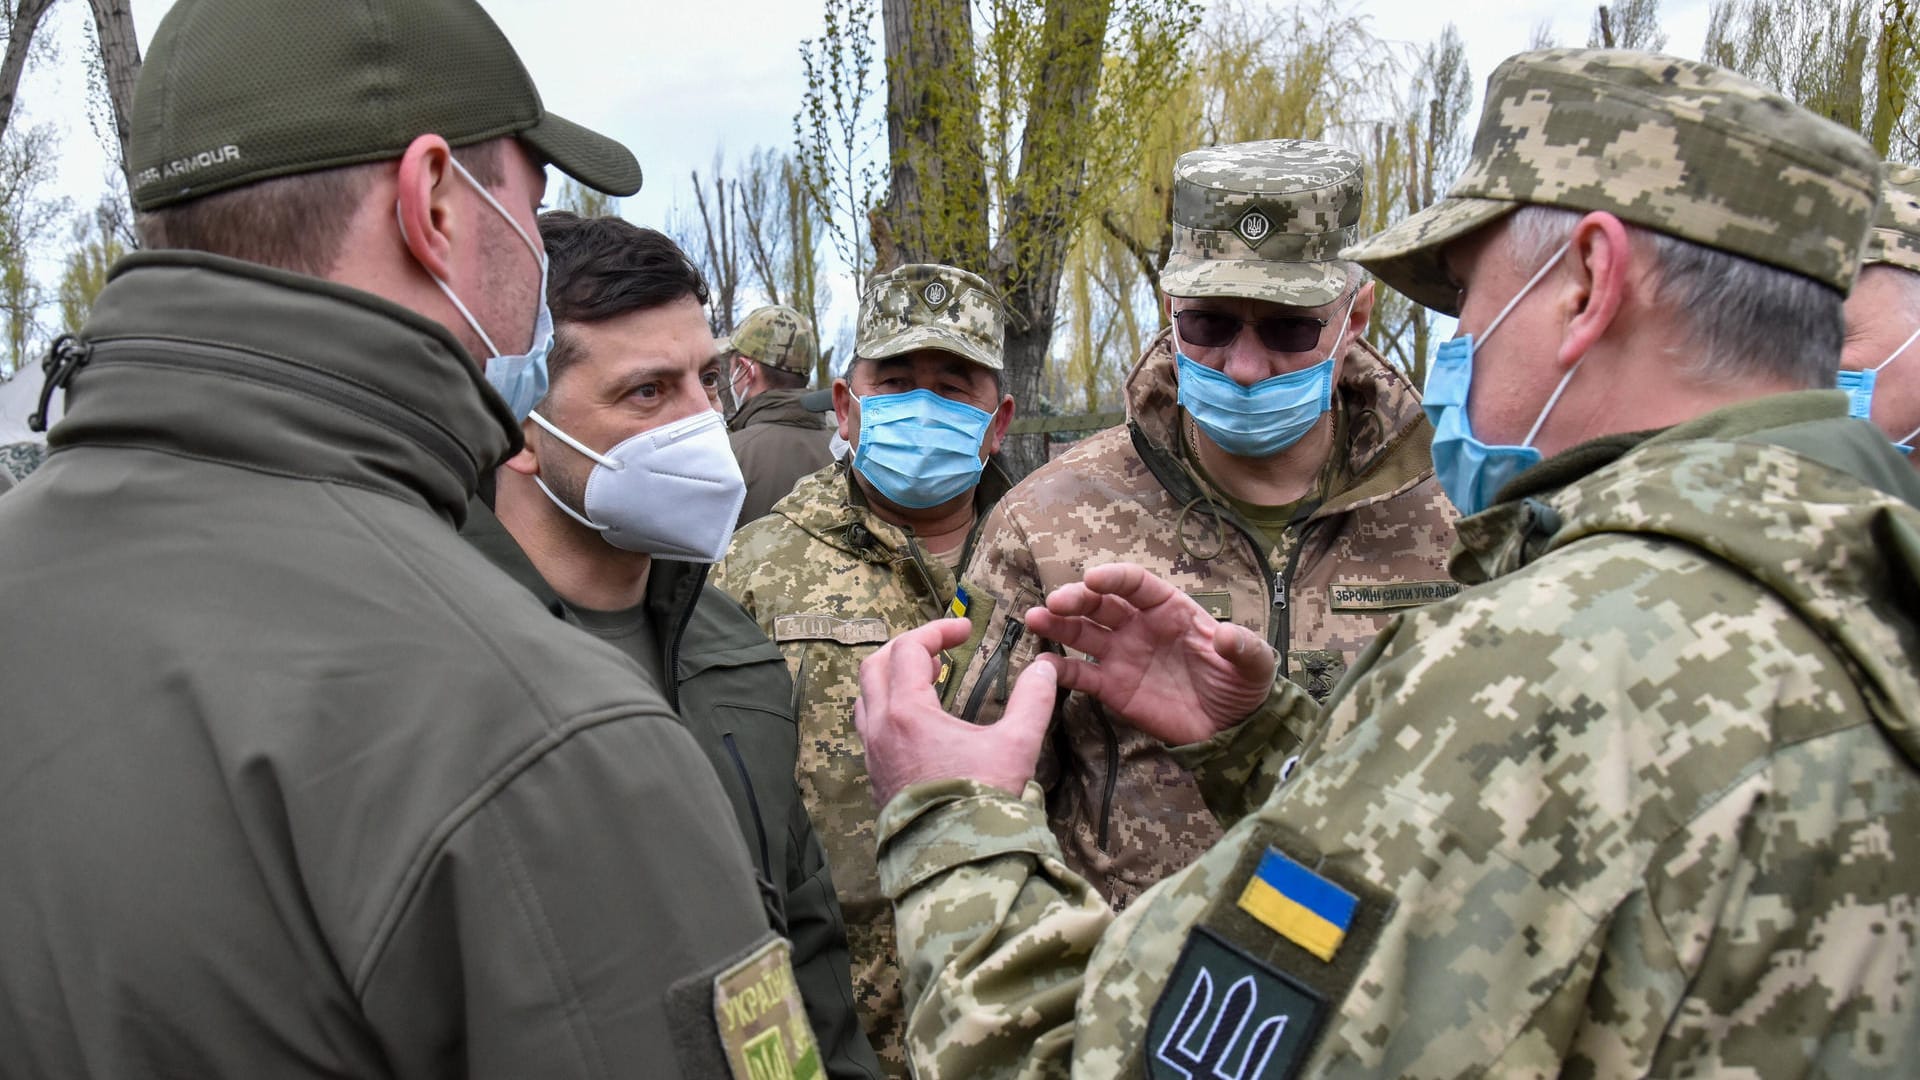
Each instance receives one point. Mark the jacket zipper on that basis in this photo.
(996, 668)
(220, 360)
(770, 897)
(753, 803)
(1112, 738)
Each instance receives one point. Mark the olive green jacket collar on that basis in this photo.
(776, 407)
(222, 360)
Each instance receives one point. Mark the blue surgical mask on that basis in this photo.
(520, 378)
(918, 449)
(1859, 387)
(1262, 419)
(1472, 472)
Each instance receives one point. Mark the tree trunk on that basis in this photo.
(1028, 261)
(26, 20)
(938, 186)
(120, 57)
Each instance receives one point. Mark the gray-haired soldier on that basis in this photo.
(1880, 367)
(1642, 801)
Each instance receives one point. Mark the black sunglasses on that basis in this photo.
(1280, 333)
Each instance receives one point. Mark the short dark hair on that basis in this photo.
(778, 378)
(601, 268)
(296, 223)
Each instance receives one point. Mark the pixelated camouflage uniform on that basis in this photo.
(830, 582)
(1895, 240)
(1126, 813)
(1646, 801)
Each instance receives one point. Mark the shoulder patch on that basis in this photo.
(763, 1025)
(828, 628)
(1226, 1015)
(1367, 596)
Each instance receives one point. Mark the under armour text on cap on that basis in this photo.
(1263, 220)
(235, 91)
(1676, 146)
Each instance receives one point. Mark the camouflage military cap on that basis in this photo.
(778, 337)
(1677, 146)
(930, 306)
(1896, 231)
(1264, 220)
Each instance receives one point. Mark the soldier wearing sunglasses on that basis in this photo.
(1273, 466)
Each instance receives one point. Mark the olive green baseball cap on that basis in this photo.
(1896, 230)
(1263, 220)
(236, 91)
(1676, 146)
(931, 306)
(776, 336)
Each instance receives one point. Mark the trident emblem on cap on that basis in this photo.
(935, 293)
(1255, 226)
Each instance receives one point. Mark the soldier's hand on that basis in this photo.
(1159, 660)
(910, 739)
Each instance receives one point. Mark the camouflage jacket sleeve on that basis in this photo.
(1239, 768)
(994, 931)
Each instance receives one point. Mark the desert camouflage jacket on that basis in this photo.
(1126, 813)
(1647, 801)
(830, 582)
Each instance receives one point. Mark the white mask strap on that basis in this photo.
(539, 253)
(472, 322)
(1552, 401)
(1911, 338)
(1524, 290)
(568, 510)
(1911, 435)
(597, 458)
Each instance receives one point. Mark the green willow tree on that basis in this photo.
(1010, 124)
(1852, 61)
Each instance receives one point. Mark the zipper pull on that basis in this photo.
(67, 355)
(1279, 592)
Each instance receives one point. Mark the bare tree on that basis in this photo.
(119, 60)
(22, 22)
(1627, 24)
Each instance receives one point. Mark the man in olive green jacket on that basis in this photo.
(778, 440)
(628, 307)
(298, 784)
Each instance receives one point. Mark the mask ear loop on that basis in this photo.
(1911, 338)
(472, 322)
(597, 458)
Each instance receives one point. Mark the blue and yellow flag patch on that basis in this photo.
(958, 607)
(1299, 905)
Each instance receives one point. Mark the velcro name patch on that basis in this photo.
(828, 628)
(1363, 596)
(763, 1024)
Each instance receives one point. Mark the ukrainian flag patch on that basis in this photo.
(958, 608)
(1299, 905)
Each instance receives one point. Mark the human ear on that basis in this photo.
(425, 188)
(1599, 283)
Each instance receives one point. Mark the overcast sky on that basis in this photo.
(676, 81)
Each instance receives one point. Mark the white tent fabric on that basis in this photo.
(19, 396)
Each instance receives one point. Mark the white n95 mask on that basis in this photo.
(673, 492)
